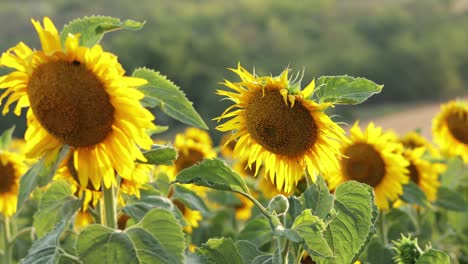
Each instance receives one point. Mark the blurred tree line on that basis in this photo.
(417, 49)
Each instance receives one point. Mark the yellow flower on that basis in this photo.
(373, 158)
(192, 217)
(424, 173)
(450, 129)
(280, 128)
(244, 209)
(83, 219)
(77, 96)
(11, 169)
(192, 148)
(227, 145)
(414, 140)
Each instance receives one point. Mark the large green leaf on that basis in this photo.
(311, 228)
(434, 256)
(6, 137)
(46, 250)
(57, 204)
(352, 225)
(157, 238)
(137, 209)
(257, 231)
(190, 198)
(220, 251)
(345, 89)
(161, 92)
(39, 174)
(92, 28)
(215, 174)
(318, 198)
(248, 250)
(160, 155)
(451, 200)
(413, 194)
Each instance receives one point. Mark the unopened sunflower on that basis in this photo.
(277, 126)
(450, 129)
(11, 169)
(77, 96)
(373, 158)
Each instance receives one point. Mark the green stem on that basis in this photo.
(75, 259)
(262, 209)
(6, 240)
(383, 231)
(110, 207)
(284, 253)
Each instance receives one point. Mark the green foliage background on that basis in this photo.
(417, 49)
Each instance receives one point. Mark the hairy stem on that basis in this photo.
(110, 207)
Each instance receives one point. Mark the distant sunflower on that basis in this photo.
(191, 216)
(192, 148)
(243, 210)
(413, 140)
(11, 169)
(227, 145)
(424, 173)
(373, 158)
(77, 96)
(277, 126)
(450, 129)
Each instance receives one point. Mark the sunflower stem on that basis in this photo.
(382, 229)
(110, 207)
(6, 240)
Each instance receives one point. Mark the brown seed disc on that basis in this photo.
(458, 126)
(70, 102)
(363, 164)
(7, 177)
(186, 160)
(413, 173)
(277, 126)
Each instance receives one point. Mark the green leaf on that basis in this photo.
(39, 174)
(6, 137)
(215, 174)
(190, 198)
(318, 198)
(257, 231)
(57, 204)
(434, 256)
(311, 228)
(248, 250)
(220, 251)
(263, 259)
(413, 194)
(163, 93)
(160, 155)
(345, 89)
(157, 238)
(451, 200)
(139, 208)
(92, 28)
(352, 225)
(45, 250)
(376, 253)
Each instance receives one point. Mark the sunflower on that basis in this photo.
(374, 158)
(11, 169)
(413, 140)
(276, 125)
(192, 148)
(191, 216)
(227, 146)
(450, 129)
(424, 173)
(243, 210)
(77, 96)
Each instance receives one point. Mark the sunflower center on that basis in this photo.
(188, 159)
(277, 126)
(364, 164)
(7, 177)
(413, 173)
(458, 125)
(71, 103)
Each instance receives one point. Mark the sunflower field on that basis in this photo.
(94, 182)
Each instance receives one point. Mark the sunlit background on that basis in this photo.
(417, 49)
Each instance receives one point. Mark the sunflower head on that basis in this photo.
(413, 140)
(191, 216)
(243, 210)
(450, 129)
(77, 96)
(275, 124)
(11, 169)
(373, 157)
(227, 145)
(424, 173)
